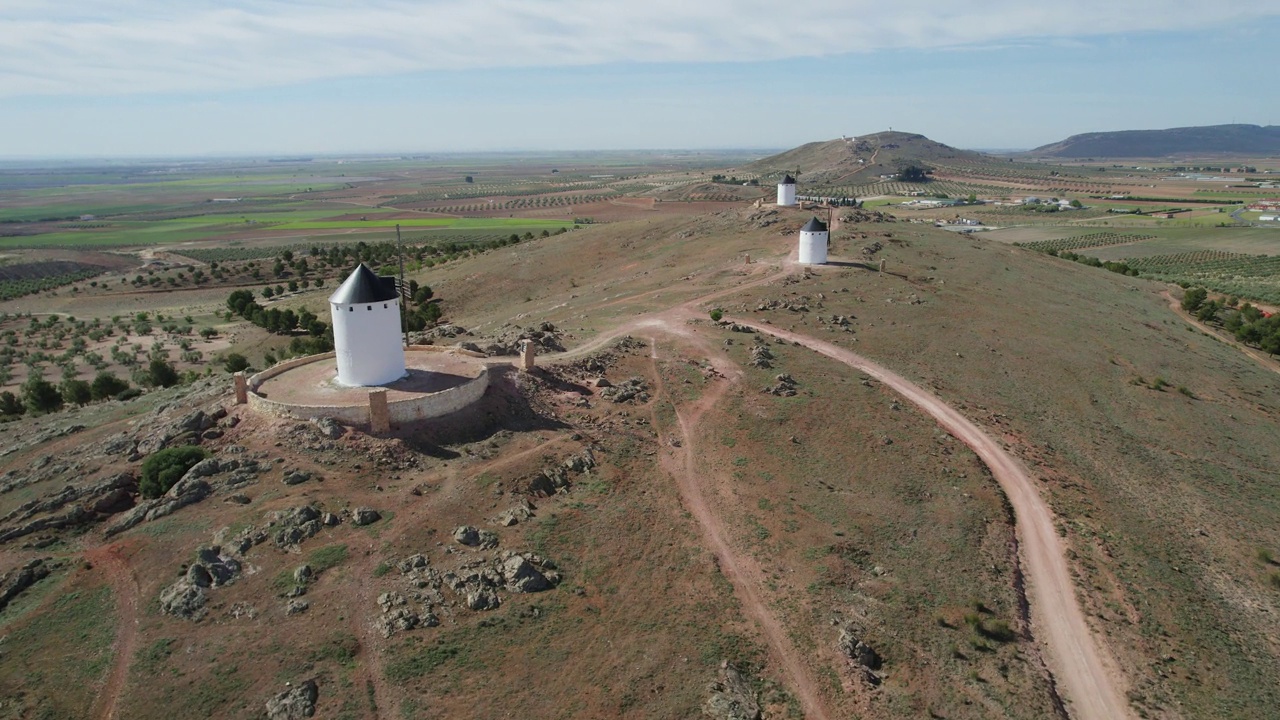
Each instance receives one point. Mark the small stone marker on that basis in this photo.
(379, 416)
(242, 389)
(882, 262)
(526, 356)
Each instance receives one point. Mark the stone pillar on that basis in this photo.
(882, 262)
(526, 356)
(748, 258)
(379, 415)
(242, 389)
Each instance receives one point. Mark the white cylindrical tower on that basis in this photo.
(366, 329)
(787, 191)
(813, 242)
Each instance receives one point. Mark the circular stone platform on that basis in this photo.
(439, 381)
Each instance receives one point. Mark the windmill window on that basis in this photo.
(384, 306)
(351, 309)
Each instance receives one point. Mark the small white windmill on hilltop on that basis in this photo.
(366, 329)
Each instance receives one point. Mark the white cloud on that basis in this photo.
(116, 47)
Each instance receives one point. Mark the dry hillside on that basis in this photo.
(678, 516)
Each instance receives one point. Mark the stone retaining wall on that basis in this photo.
(422, 407)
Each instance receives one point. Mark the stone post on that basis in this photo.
(748, 258)
(379, 415)
(882, 262)
(242, 388)
(526, 356)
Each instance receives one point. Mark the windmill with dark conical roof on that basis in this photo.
(787, 191)
(813, 242)
(366, 329)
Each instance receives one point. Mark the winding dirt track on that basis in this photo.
(740, 570)
(1091, 679)
(109, 558)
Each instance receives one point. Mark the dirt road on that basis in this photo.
(742, 571)
(1090, 677)
(110, 559)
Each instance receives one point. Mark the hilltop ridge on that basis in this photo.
(1238, 139)
(860, 158)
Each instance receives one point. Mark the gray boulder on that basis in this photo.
(295, 703)
(522, 577)
(482, 598)
(364, 516)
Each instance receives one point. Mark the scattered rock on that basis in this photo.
(297, 606)
(523, 510)
(626, 391)
(364, 516)
(295, 477)
(329, 427)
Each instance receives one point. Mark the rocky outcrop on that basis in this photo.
(186, 598)
(328, 427)
(296, 703)
(786, 386)
(545, 337)
(521, 511)
(296, 524)
(731, 697)
(15, 582)
(626, 391)
(473, 537)
(860, 653)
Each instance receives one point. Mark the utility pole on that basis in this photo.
(404, 302)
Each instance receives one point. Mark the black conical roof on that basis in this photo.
(363, 286)
(788, 180)
(814, 225)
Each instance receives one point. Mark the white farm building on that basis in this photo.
(366, 329)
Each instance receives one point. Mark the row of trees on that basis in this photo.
(1247, 323)
(275, 320)
(38, 395)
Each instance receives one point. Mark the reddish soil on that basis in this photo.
(112, 561)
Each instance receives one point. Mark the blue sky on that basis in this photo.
(99, 78)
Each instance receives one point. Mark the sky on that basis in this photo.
(155, 78)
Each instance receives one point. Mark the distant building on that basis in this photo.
(813, 242)
(787, 191)
(1269, 218)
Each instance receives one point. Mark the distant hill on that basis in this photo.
(1210, 139)
(857, 159)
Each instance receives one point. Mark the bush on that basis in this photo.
(106, 386)
(76, 392)
(10, 405)
(235, 362)
(161, 373)
(716, 315)
(40, 396)
(164, 468)
(129, 394)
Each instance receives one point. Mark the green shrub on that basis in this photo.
(235, 362)
(164, 468)
(716, 315)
